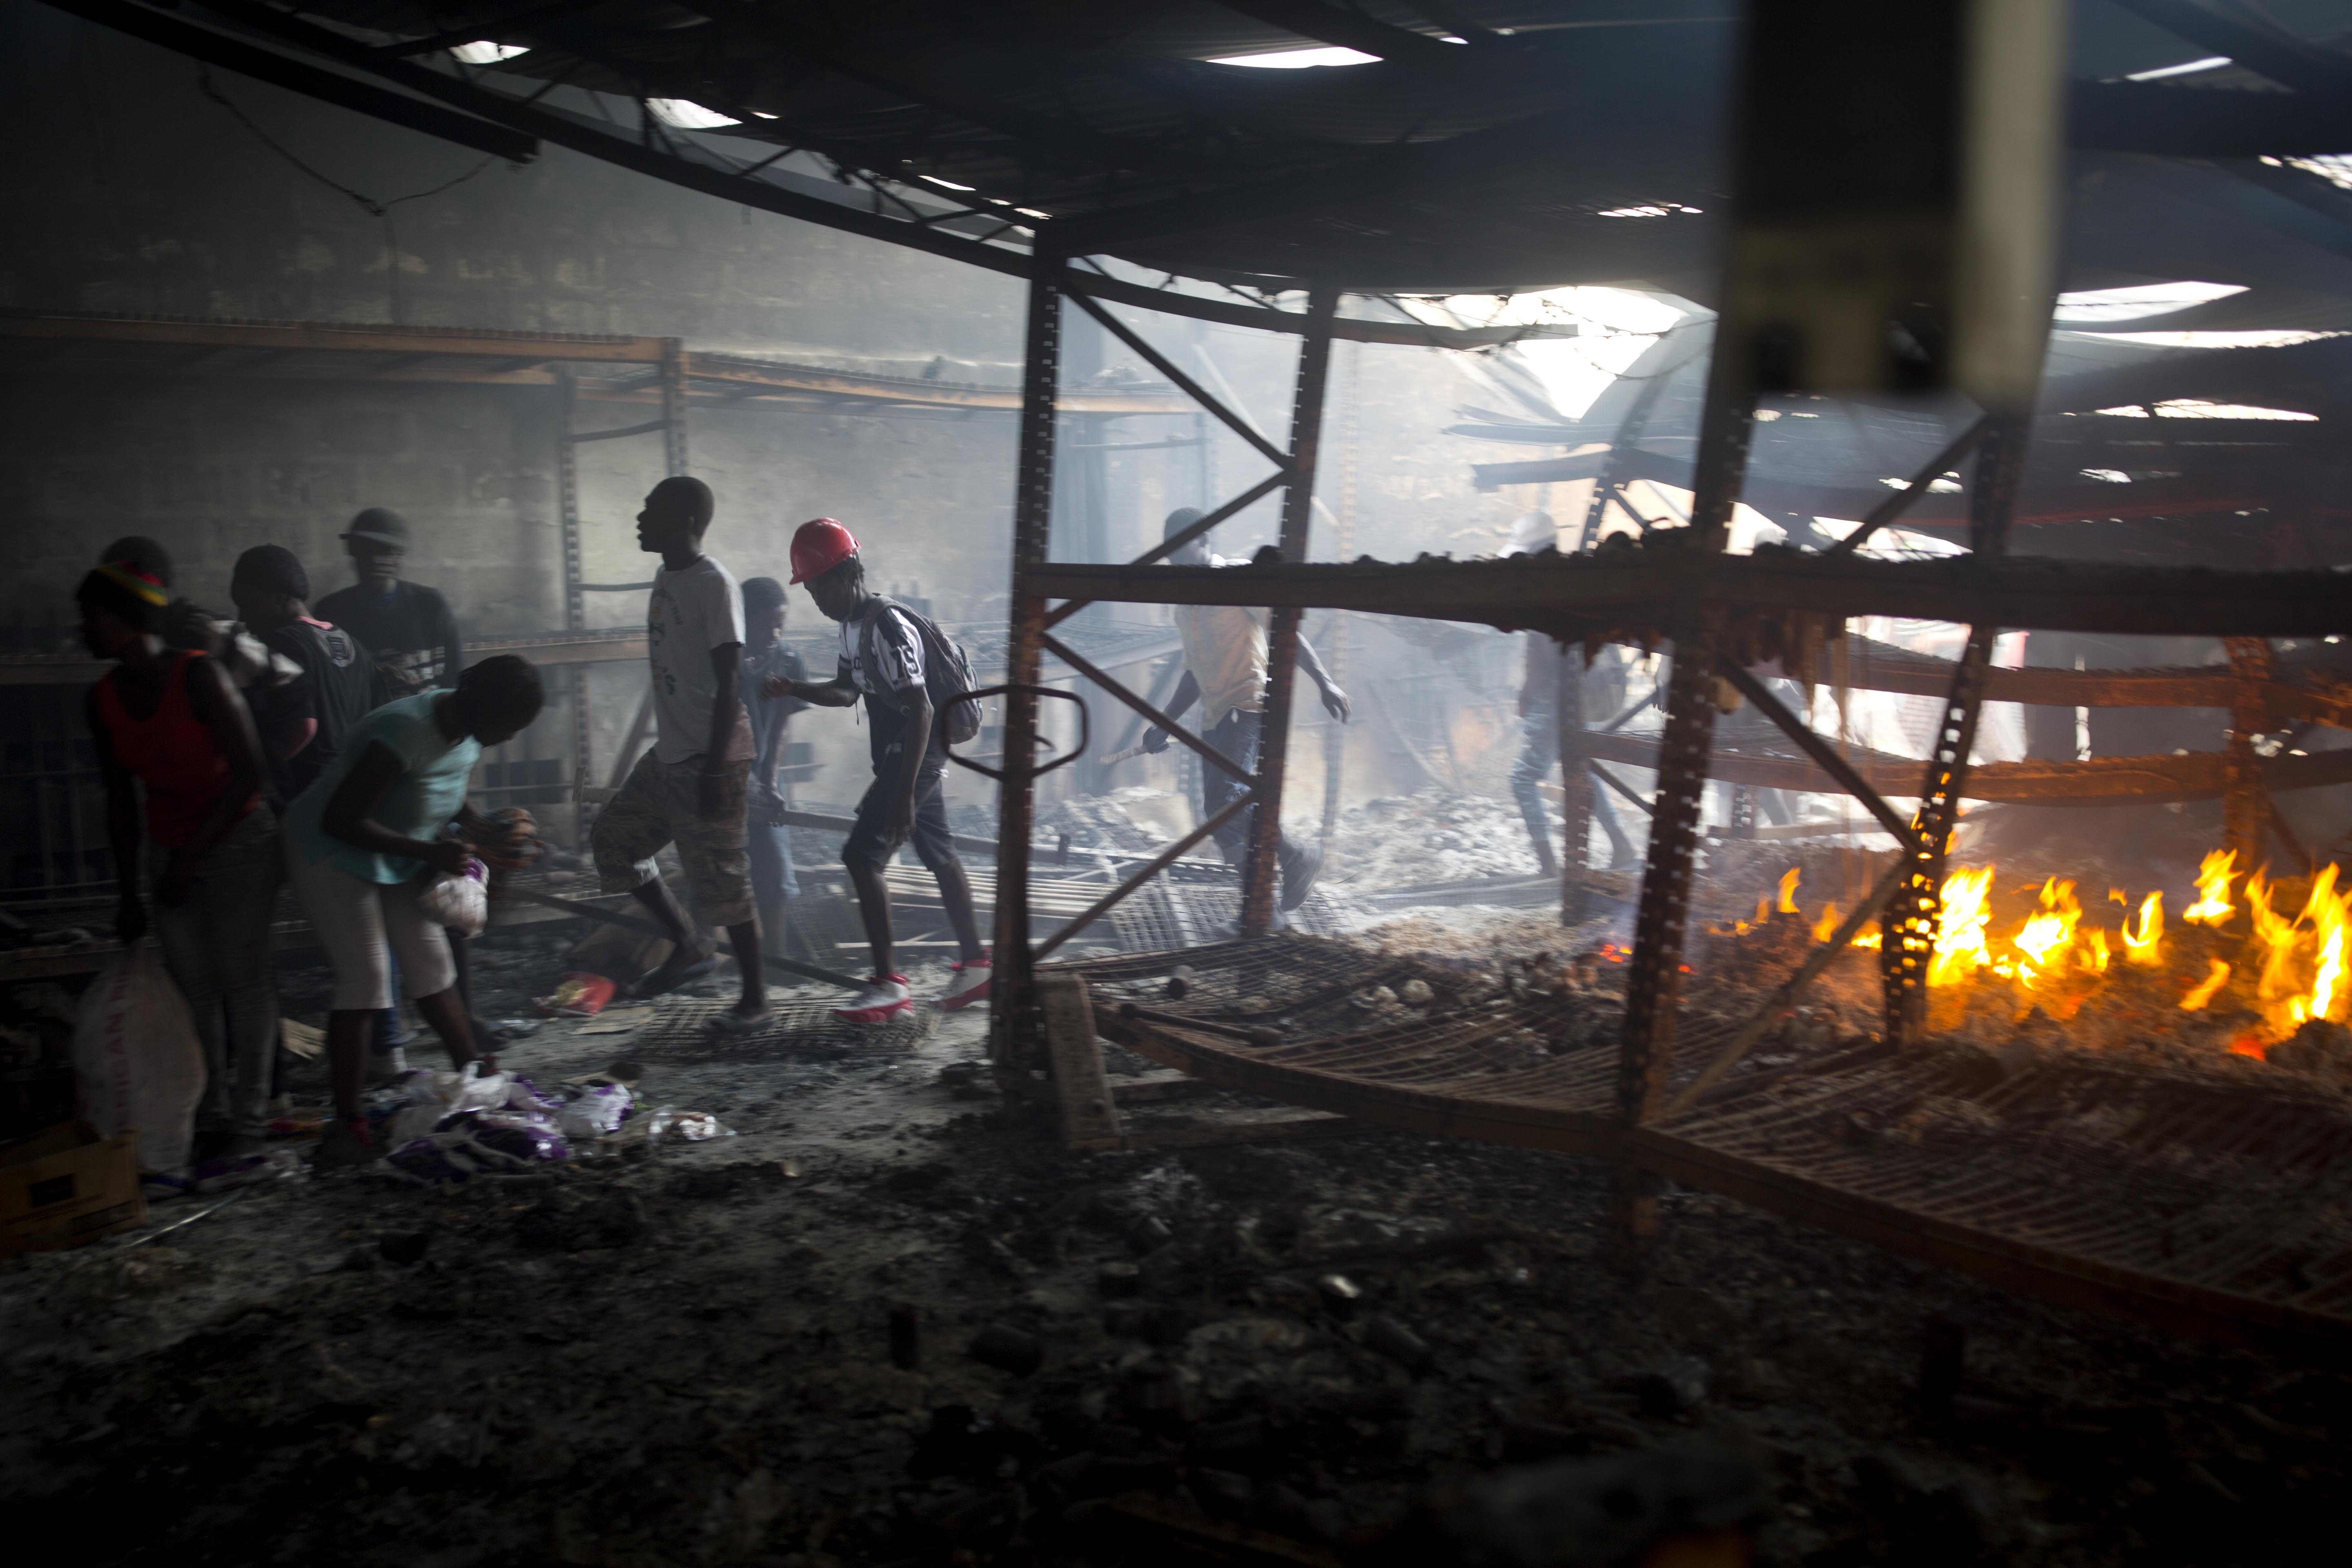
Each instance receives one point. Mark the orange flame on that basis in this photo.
(2049, 932)
(2092, 955)
(1826, 927)
(1959, 949)
(1787, 905)
(2215, 980)
(2140, 946)
(2213, 879)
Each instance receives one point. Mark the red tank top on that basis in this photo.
(172, 751)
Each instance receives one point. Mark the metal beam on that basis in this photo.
(1354, 30)
(1183, 382)
(1577, 596)
(1909, 946)
(1784, 996)
(1176, 730)
(2246, 806)
(1654, 978)
(1260, 872)
(1890, 509)
(1015, 1032)
(1824, 756)
(1175, 541)
(1151, 869)
(2254, 42)
(296, 75)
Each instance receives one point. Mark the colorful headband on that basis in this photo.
(148, 590)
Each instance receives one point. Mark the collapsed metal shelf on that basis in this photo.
(2196, 1216)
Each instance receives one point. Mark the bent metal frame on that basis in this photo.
(1693, 601)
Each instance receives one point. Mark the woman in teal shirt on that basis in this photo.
(365, 838)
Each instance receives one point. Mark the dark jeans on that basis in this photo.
(871, 840)
(1539, 759)
(1236, 735)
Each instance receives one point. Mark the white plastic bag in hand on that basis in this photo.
(137, 1061)
(461, 902)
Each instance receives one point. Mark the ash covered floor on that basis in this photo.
(686, 1356)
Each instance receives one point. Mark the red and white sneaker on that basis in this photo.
(973, 979)
(885, 997)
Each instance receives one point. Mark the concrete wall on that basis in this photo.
(132, 188)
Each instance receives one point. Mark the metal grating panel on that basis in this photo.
(2205, 1200)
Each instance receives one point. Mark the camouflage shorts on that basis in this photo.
(662, 804)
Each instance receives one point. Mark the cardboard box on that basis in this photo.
(67, 1186)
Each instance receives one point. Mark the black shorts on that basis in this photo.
(871, 842)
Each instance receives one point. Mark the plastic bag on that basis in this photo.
(694, 1126)
(453, 1152)
(435, 1094)
(137, 1061)
(599, 1110)
(461, 902)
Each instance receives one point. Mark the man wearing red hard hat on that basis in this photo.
(897, 659)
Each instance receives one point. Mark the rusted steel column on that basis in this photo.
(1909, 942)
(1260, 874)
(673, 405)
(2246, 806)
(1016, 1032)
(1654, 982)
(1575, 784)
(1653, 987)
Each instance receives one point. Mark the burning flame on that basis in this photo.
(2049, 932)
(2215, 978)
(2298, 966)
(2213, 879)
(1960, 949)
(2140, 946)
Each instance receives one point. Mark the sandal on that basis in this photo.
(735, 1025)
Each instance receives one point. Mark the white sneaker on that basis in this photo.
(971, 985)
(885, 997)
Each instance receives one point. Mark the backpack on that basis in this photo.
(947, 670)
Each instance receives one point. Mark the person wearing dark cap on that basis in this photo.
(170, 719)
(404, 627)
(302, 723)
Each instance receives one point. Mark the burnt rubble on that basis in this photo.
(943, 1341)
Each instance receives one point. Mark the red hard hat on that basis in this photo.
(818, 546)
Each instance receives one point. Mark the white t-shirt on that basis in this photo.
(692, 612)
(1225, 648)
(897, 651)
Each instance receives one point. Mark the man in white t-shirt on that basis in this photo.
(884, 659)
(1224, 671)
(691, 788)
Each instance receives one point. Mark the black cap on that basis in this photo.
(379, 525)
